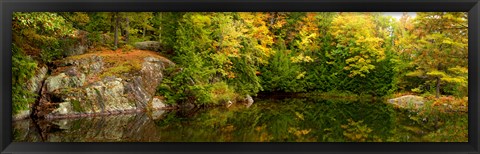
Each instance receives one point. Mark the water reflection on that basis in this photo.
(267, 120)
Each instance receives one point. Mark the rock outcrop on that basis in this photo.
(408, 102)
(80, 46)
(148, 45)
(77, 88)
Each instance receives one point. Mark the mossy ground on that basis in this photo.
(120, 61)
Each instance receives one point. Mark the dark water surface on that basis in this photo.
(267, 120)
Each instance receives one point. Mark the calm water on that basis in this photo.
(267, 120)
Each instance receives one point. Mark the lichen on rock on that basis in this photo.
(78, 87)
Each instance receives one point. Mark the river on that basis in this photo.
(269, 119)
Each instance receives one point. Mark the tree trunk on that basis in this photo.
(126, 29)
(438, 87)
(115, 37)
(112, 20)
(143, 35)
(160, 29)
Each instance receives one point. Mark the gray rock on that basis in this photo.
(408, 102)
(89, 66)
(108, 96)
(148, 45)
(249, 100)
(63, 108)
(55, 82)
(80, 46)
(68, 93)
(94, 95)
(157, 104)
(152, 73)
(71, 71)
(114, 98)
(62, 81)
(136, 91)
(228, 104)
(76, 50)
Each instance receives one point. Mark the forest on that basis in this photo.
(228, 56)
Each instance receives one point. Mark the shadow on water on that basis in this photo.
(267, 120)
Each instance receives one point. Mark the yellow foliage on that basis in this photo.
(358, 28)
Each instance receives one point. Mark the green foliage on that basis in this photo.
(455, 129)
(281, 74)
(221, 93)
(180, 87)
(79, 20)
(100, 22)
(51, 50)
(44, 31)
(42, 22)
(246, 81)
(174, 87)
(23, 69)
(440, 58)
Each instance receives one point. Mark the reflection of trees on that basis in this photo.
(269, 120)
(276, 120)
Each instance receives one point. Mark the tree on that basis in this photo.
(258, 36)
(442, 49)
(355, 39)
(166, 24)
(117, 26)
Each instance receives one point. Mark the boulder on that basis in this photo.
(249, 101)
(90, 66)
(151, 73)
(76, 49)
(107, 96)
(136, 92)
(81, 44)
(408, 102)
(62, 81)
(68, 93)
(63, 108)
(148, 45)
(156, 103)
